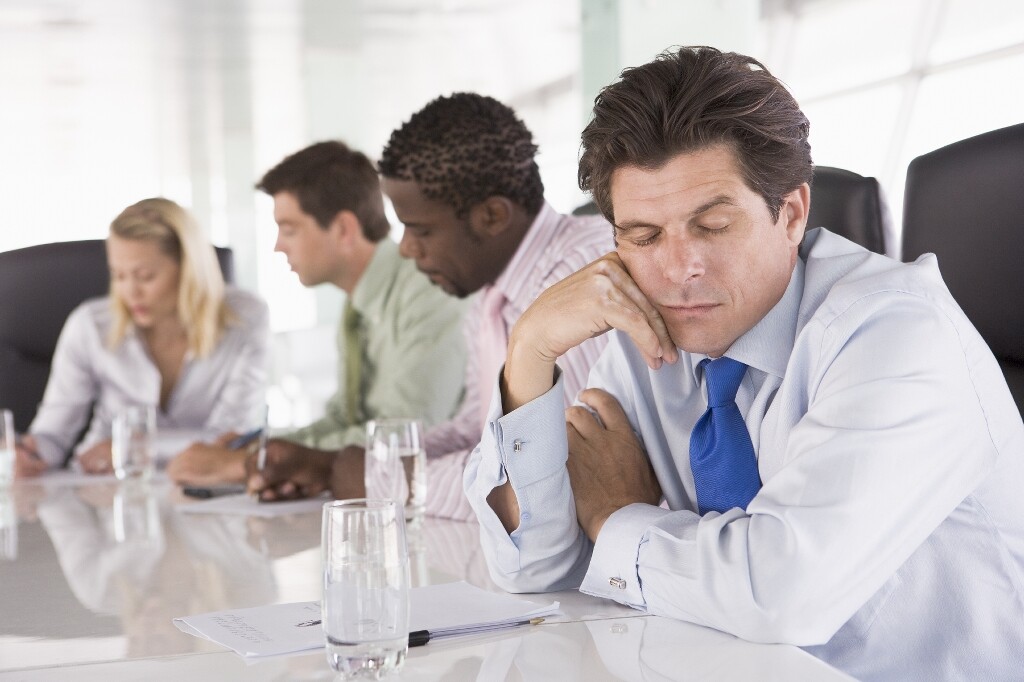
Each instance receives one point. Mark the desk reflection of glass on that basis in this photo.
(135, 514)
(8, 526)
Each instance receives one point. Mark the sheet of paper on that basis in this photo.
(249, 506)
(444, 610)
(455, 607)
(260, 631)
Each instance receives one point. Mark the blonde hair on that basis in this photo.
(201, 306)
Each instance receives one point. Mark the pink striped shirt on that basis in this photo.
(555, 247)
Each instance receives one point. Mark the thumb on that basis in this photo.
(607, 408)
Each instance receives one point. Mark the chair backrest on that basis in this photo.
(965, 203)
(39, 287)
(850, 205)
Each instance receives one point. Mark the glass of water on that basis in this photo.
(396, 464)
(7, 448)
(132, 449)
(366, 587)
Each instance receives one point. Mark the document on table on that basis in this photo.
(444, 610)
(248, 506)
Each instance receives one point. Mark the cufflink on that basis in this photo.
(617, 582)
(517, 445)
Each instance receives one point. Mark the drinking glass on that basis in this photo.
(366, 587)
(396, 464)
(132, 450)
(7, 443)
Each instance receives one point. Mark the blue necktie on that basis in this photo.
(721, 454)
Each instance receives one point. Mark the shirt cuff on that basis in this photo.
(525, 438)
(612, 573)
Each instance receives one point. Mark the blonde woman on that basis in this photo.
(170, 335)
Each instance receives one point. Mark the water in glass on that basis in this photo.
(366, 587)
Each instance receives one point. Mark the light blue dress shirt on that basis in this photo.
(888, 538)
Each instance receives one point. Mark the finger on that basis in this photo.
(624, 312)
(608, 409)
(575, 442)
(661, 346)
(584, 422)
(225, 438)
(27, 466)
(256, 484)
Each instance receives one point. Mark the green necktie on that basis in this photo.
(353, 362)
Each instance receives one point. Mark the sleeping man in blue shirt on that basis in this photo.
(788, 438)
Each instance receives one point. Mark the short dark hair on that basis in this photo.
(463, 149)
(687, 100)
(328, 177)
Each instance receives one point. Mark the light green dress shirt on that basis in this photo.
(413, 353)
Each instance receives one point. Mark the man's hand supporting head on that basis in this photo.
(600, 297)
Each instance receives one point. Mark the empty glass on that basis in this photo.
(132, 449)
(366, 587)
(7, 443)
(396, 464)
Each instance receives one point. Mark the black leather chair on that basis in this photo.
(965, 203)
(850, 205)
(39, 287)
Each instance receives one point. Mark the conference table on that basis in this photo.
(92, 572)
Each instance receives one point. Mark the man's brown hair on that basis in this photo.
(690, 99)
(329, 177)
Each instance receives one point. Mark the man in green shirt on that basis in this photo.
(400, 348)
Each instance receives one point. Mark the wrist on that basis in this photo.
(528, 374)
(593, 524)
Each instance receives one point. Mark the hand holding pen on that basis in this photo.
(28, 462)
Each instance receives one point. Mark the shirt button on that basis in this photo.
(525, 516)
(617, 582)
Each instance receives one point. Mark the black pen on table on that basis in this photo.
(421, 637)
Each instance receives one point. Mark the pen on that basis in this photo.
(246, 438)
(261, 456)
(421, 637)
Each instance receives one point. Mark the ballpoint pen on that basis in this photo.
(245, 438)
(261, 455)
(421, 637)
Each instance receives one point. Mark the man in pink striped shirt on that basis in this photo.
(462, 178)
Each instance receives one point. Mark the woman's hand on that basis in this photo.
(96, 460)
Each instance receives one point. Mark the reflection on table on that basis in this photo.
(92, 572)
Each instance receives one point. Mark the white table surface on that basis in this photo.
(92, 573)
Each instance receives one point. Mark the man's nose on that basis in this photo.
(409, 246)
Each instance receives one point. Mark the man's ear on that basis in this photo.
(345, 226)
(795, 208)
(491, 217)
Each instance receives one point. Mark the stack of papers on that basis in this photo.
(442, 610)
